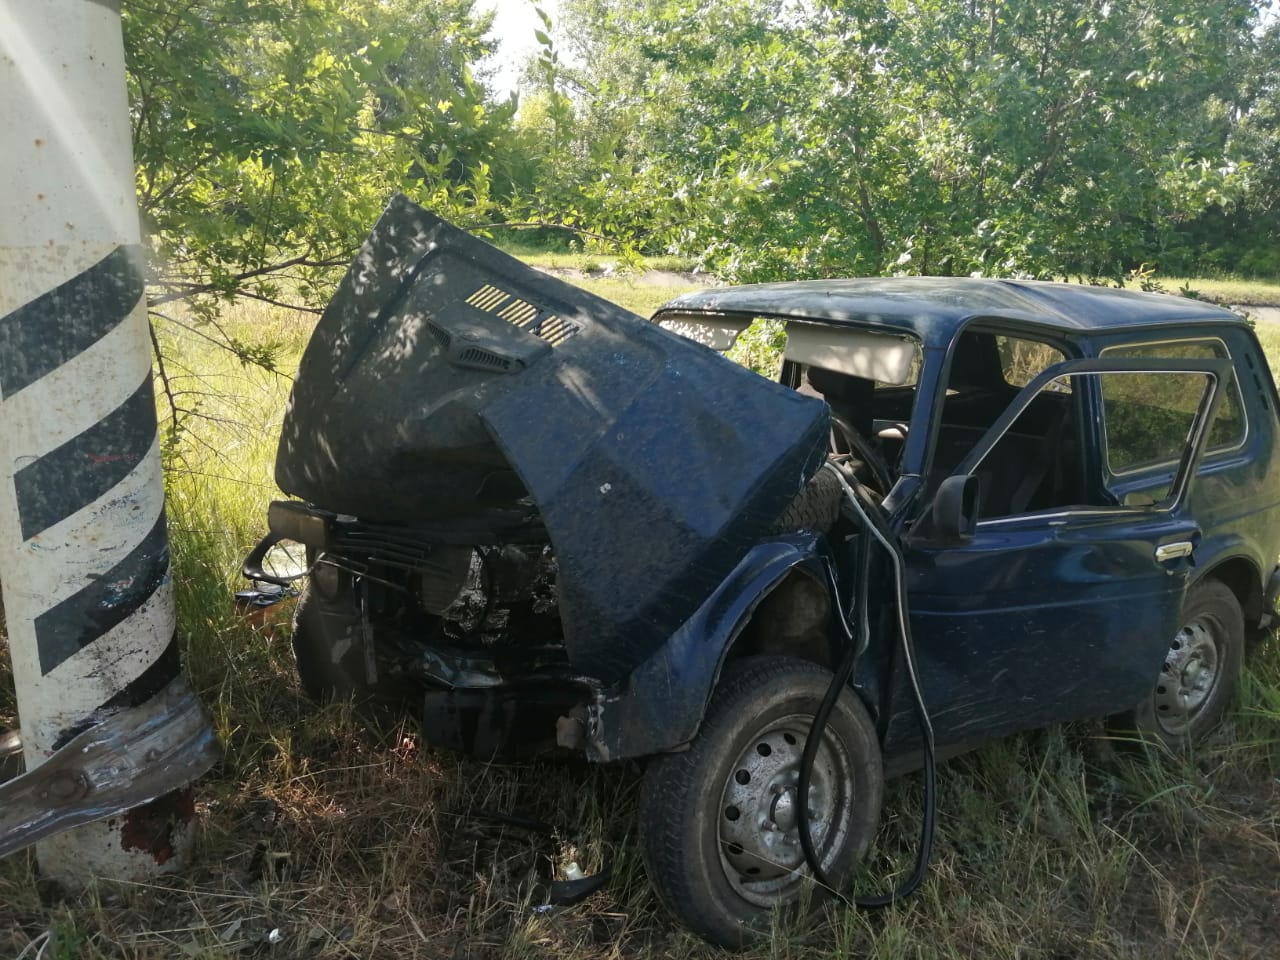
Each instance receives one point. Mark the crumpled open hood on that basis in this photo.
(447, 378)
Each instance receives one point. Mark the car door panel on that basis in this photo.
(1005, 642)
(1050, 616)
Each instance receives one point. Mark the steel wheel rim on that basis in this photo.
(757, 835)
(1191, 672)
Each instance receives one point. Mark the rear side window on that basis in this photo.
(1021, 360)
(1148, 416)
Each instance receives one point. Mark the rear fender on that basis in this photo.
(661, 704)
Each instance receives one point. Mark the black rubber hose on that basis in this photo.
(930, 799)
(823, 715)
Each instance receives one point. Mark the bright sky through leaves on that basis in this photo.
(513, 27)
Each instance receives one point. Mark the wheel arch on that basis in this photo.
(792, 619)
(1177, 718)
(660, 706)
(1244, 578)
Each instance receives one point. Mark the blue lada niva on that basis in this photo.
(963, 508)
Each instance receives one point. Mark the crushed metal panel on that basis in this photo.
(651, 513)
(654, 463)
(128, 759)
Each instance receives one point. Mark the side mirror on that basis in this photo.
(955, 508)
(276, 560)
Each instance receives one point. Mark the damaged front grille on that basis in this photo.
(498, 597)
(466, 585)
(361, 545)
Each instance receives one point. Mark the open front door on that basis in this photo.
(1032, 616)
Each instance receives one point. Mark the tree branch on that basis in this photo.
(278, 303)
(184, 289)
(546, 225)
(164, 378)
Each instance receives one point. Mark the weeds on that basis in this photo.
(321, 838)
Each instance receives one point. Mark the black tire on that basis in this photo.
(329, 652)
(692, 802)
(816, 507)
(1200, 675)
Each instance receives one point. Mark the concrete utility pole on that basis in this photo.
(84, 556)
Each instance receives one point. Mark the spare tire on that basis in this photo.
(816, 507)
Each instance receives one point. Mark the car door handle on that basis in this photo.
(1171, 551)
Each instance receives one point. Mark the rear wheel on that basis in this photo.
(1200, 673)
(718, 821)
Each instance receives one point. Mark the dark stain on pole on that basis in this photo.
(151, 828)
(86, 615)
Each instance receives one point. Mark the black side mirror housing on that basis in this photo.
(955, 508)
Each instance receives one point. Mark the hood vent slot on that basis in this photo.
(480, 359)
(522, 314)
(442, 336)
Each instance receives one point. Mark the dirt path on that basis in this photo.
(1263, 314)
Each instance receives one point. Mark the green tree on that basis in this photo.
(268, 135)
(776, 138)
(1064, 137)
(1243, 234)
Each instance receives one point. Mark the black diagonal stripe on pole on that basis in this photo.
(151, 680)
(42, 335)
(136, 692)
(83, 617)
(74, 475)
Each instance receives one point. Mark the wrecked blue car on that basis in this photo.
(965, 508)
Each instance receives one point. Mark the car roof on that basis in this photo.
(935, 308)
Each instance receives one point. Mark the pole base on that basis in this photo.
(109, 777)
(141, 844)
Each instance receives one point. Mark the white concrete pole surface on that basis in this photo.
(84, 557)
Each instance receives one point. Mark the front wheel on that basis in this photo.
(718, 821)
(329, 650)
(1200, 674)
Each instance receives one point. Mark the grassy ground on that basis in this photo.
(354, 844)
(590, 263)
(636, 294)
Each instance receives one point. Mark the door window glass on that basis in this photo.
(1035, 464)
(987, 371)
(1148, 417)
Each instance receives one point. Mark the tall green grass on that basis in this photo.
(359, 843)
